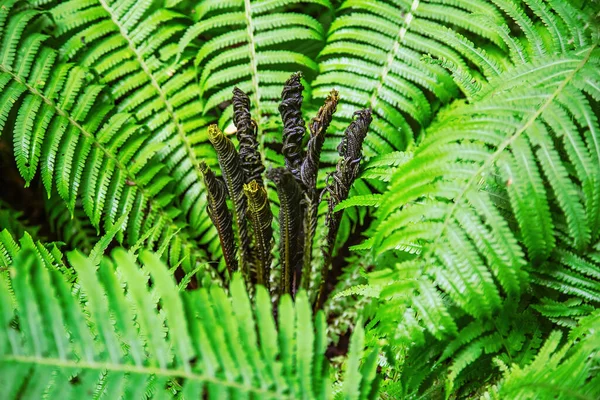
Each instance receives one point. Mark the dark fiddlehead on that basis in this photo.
(339, 184)
(261, 217)
(308, 172)
(290, 225)
(247, 132)
(220, 215)
(293, 124)
(233, 175)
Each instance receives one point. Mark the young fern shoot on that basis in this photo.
(339, 184)
(296, 186)
(220, 215)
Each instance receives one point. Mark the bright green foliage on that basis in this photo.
(250, 47)
(445, 197)
(70, 342)
(373, 52)
(82, 146)
(558, 371)
(471, 270)
(499, 200)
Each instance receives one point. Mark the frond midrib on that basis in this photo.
(385, 70)
(135, 369)
(168, 106)
(252, 49)
(501, 148)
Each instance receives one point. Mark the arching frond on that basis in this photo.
(132, 47)
(373, 52)
(217, 344)
(67, 129)
(537, 145)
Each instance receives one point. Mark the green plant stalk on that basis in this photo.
(233, 175)
(261, 217)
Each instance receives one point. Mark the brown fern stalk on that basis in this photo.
(308, 173)
(290, 226)
(233, 174)
(247, 132)
(220, 216)
(261, 217)
(339, 184)
(293, 124)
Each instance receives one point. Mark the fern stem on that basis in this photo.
(290, 225)
(308, 173)
(220, 216)
(408, 17)
(252, 51)
(350, 150)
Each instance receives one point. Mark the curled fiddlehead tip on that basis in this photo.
(338, 187)
(318, 127)
(293, 123)
(214, 133)
(247, 132)
(241, 109)
(351, 145)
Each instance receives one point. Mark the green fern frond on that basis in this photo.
(83, 147)
(559, 371)
(248, 46)
(132, 47)
(513, 139)
(212, 346)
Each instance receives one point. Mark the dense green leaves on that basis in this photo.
(480, 192)
(55, 338)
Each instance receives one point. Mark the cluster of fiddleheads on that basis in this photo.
(242, 171)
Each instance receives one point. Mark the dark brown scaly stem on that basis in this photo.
(261, 217)
(308, 173)
(220, 216)
(318, 128)
(247, 132)
(290, 226)
(233, 175)
(293, 124)
(338, 187)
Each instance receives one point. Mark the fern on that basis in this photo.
(211, 346)
(373, 50)
(560, 372)
(132, 46)
(82, 147)
(251, 51)
(461, 257)
(528, 145)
